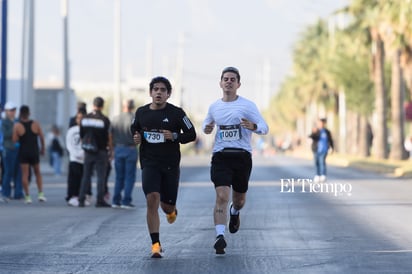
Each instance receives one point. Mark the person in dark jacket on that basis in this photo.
(322, 141)
(97, 144)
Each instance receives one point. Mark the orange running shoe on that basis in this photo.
(171, 217)
(156, 250)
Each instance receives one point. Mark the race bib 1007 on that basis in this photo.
(154, 137)
(230, 133)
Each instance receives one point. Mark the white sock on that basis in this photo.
(220, 229)
(233, 211)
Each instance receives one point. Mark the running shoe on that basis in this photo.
(129, 206)
(89, 199)
(41, 197)
(27, 199)
(102, 204)
(220, 244)
(74, 201)
(171, 217)
(115, 205)
(234, 222)
(156, 250)
(107, 197)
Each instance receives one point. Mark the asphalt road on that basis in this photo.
(359, 223)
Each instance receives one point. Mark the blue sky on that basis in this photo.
(218, 33)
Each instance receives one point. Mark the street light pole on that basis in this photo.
(3, 85)
(66, 63)
(117, 58)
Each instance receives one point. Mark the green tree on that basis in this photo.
(394, 27)
(366, 15)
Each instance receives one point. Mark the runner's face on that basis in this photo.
(159, 94)
(229, 83)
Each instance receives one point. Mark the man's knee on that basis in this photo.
(222, 195)
(239, 200)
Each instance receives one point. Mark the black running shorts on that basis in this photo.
(29, 159)
(231, 168)
(162, 180)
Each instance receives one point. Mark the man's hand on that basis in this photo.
(168, 134)
(248, 124)
(209, 128)
(137, 138)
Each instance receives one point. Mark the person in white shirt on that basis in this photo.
(76, 160)
(235, 119)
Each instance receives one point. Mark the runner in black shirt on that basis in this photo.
(159, 128)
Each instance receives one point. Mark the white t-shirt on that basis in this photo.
(227, 117)
(74, 145)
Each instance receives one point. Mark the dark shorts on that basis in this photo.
(29, 159)
(162, 180)
(231, 168)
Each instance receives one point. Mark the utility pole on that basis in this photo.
(28, 55)
(3, 85)
(66, 64)
(178, 91)
(30, 72)
(117, 58)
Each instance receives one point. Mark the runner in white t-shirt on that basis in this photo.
(235, 119)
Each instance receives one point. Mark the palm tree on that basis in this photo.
(366, 15)
(394, 25)
(311, 63)
(350, 72)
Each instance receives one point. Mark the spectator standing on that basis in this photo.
(321, 142)
(56, 150)
(125, 157)
(97, 144)
(12, 171)
(81, 107)
(76, 160)
(29, 133)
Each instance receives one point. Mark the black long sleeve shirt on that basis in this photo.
(155, 151)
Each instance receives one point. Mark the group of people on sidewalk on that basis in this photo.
(93, 141)
(23, 143)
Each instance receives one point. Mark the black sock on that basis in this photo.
(155, 237)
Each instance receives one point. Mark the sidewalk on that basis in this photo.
(395, 168)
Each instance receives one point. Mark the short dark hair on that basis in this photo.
(130, 104)
(161, 79)
(24, 111)
(231, 69)
(98, 102)
(81, 106)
